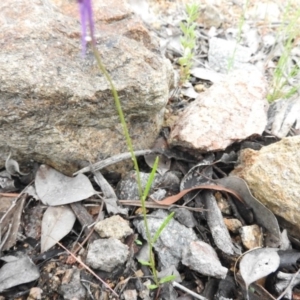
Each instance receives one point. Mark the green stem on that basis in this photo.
(130, 147)
(151, 256)
(121, 116)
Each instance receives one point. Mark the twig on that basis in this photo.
(151, 204)
(197, 296)
(289, 286)
(10, 194)
(112, 160)
(90, 233)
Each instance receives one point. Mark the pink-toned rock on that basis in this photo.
(55, 106)
(273, 176)
(229, 111)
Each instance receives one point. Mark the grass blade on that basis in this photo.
(151, 179)
(162, 226)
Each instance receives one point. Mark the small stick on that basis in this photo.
(10, 194)
(90, 233)
(112, 160)
(176, 284)
(289, 286)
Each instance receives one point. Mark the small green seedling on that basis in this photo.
(238, 39)
(284, 75)
(151, 262)
(188, 41)
(143, 194)
(86, 12)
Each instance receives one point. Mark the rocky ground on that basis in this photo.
(71, 222)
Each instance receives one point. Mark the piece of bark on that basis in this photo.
(216, 224)
(84, 219)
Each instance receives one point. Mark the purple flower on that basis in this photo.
(86, 17)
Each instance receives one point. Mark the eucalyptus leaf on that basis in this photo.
(110, 197)
(17, 270)
(57, 223)
(54, 188)
(258, 263)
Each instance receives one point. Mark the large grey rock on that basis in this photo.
(56, 106)
(231, 110)
(273, 176)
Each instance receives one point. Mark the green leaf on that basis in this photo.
(138, 242)
(162, 227)
(151, 179)
(188, 41)
(183, 27)
(167, 279)
(182, 60)
(152, 286)
(192, 11)
(184, 43)
(193, 27)
(144, 263)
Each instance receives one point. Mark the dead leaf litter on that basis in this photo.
(229, 169)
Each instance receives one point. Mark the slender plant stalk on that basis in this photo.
(239, 38)
(121, 116)
(282, 76)
(150, 242)
(143, 195)
(188, 41)
(86, 14)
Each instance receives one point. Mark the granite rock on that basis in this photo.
(229, 111)
(273, 176)
(55, 105)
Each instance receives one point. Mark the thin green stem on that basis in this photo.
(239, 38)
(131, 150)
(149, 238)
(121, 116)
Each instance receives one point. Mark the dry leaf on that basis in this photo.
(10, 223)
(57, 223)
(258, 263)
(110, 197)
(55, 188)
(12, 166)
(173, 199)
(164, 162)
(216, 225)
(198, 175)
(17, 271)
